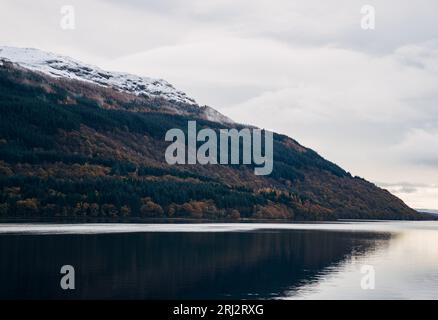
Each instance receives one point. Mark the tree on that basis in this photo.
(27, 206)
(151, 209)
(94, 209)
(125, 211)
(4, 209)
(235, 214)
(110, 210)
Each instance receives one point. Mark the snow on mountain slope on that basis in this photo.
(60, 66)
(214, 115)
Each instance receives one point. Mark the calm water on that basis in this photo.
(220, 261)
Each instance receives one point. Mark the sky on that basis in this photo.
(364, 99)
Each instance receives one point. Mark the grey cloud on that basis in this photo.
(402, 187)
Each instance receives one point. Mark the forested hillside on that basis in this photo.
(74, 149)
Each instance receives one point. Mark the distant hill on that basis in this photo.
(77, 141)
(429, 211)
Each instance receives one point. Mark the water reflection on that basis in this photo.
(406, 267)
(190, 265)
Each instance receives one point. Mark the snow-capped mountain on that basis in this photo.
(61, 66)
(89, 138)
(211, 114)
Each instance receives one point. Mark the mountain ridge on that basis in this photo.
(62, 66)
(59, 66)
(74, 148)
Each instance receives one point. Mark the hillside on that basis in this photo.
(76, 147)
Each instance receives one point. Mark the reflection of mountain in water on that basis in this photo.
(173, 265)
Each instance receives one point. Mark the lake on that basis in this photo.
(221, 261)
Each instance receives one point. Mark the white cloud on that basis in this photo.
(420, 147)
(418, 196)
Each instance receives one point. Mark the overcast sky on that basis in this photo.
(365, 99)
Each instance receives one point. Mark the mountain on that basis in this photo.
(78, 141)
(65, 67)
(429, 211)
(58, 66)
